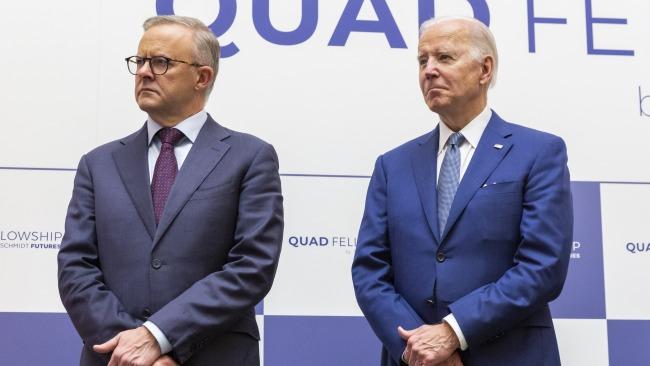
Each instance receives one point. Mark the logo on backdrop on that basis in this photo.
(322, 241)
(638, 247)
(26, 239)
(575, 250)
(384, 24)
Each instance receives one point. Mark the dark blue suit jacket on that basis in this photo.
(502, 257)
(200, 272)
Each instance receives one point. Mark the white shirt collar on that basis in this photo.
(190, 127)
(472, 131)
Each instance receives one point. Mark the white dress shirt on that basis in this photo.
(472, 133)
(190, 128)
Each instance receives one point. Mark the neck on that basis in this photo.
(456, 120)
(172, 119)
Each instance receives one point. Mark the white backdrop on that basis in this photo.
(329, 111)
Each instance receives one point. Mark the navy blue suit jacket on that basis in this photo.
(502, 257)
(199, 273)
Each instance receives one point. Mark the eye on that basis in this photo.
(445, 57)
(139, 61)
(422, 61)
(159, 61)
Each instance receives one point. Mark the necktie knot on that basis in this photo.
(456, 139)
(170, 136)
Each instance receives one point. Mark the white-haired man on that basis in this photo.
(467, 230)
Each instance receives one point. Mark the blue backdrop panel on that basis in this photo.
(32, 339)
(319, 341)
(628, 342)
(583, 296)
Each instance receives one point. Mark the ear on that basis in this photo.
(205, 74)
(487, 69)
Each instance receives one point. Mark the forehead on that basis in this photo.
(166, 39)
(449, 34)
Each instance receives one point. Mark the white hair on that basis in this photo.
(482, 40)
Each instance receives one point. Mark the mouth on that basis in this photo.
(435, 90)
(147, 90)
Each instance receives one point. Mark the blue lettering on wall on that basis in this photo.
(385, 23)
(318, 241)
(479, 7)
(225, 19)
(642, 99)
(308, 22)
(532, 20)
(591, 20)
(638, 247)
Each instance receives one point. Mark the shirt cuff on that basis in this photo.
(451, 320)
(165, 346)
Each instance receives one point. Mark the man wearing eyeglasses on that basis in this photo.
(173, 233)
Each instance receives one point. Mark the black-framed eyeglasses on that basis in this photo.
(159, 64)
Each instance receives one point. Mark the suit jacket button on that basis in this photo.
(146, 313)
(431, 301)
(440, 257)
(156, 263)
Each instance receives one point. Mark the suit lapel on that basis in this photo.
(485, 159)
(206, 152)
(423, 161)
(133, 166)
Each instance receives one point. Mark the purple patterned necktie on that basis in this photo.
(165, 171)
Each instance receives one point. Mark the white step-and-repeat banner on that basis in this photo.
(332, 84)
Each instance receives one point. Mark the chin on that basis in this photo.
(146, 103)
(436, 105)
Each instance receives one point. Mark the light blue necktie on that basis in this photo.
(448, 178)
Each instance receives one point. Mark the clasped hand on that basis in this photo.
(430, 345)
(134, 347)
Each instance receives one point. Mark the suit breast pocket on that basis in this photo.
(491, 188)
(499, 207)
(219, 190)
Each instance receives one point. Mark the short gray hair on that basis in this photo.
(206, 46)
(482, 40)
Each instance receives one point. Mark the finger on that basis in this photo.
(106, 347)
(453, 360)
(409, 353)
(414, 355)
(165, 361)
(415, 359)
(114, 360)
(456, 360)
(403, 333)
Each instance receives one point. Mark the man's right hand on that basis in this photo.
(165, 360)
(453, 360)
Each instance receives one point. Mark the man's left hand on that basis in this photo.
(134, 347)
(429, 345)
(165, 361)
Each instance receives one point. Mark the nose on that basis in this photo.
(145, 70)
(431, 69)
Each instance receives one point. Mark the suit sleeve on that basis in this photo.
(383, 306)
(213, 304)
(95, 311)
(541, 260)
